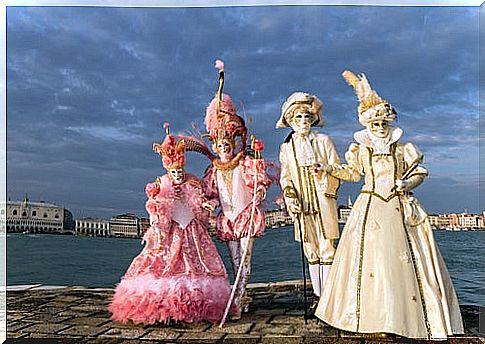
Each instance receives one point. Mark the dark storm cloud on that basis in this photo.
(88, 88)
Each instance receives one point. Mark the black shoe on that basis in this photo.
(313, 308)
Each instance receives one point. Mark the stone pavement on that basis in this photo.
(79, 315)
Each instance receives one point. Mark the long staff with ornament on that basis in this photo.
(257, 147)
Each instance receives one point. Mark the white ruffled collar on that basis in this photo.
(362, 137)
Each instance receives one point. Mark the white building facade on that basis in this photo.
(37, 217)
(93, 227)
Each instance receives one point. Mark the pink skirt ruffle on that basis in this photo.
(226, 230)
(146, 299)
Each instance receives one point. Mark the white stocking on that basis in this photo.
(315, 277)
(324, 271)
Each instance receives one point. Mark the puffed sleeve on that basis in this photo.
(152, 189)
(352, 171)
(209, 185)
(255, 170)
(332, 155)
(413, 156)
(286, 181)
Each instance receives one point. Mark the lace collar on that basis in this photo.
(362, 137)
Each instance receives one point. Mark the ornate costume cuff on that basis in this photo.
(289, 192)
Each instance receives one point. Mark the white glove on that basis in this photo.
(329, 169)
(208, 206)
(261, 193)
(294, 206)
(318, 170)
(402, 185)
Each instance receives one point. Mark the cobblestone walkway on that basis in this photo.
(276, 316)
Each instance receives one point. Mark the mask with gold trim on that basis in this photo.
(172, 152)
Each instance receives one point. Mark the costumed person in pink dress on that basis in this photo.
(237, 184)
(179, 275)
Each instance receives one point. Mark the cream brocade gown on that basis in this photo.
(388, 274)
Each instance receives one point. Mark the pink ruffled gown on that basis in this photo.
(179, 274)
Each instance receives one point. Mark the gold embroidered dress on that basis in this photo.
(388, 274)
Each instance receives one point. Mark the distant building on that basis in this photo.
(125, 225)
(37, 217)
(434, 221)
(277, 218)
(93, 227)
(144, 225)
(468, 220)
(344, 211)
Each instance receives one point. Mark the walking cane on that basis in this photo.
(241, 262)
(297, 223)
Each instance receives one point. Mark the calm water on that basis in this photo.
(100, 262)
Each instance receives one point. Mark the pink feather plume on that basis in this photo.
(219, 64)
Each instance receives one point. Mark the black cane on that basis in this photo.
(303, 267)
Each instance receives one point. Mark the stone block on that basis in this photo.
(233, 327)
(316, 329)
(183, 327)
(331, 340)
(83, 331)
(297, 312)
(281, 339)
(45, 328)
(264, 329)
(87, 321)
(273, 311)
(257, 318)
(128, 333)
(14, 326)
(289, 319)
(15, 335)
(200, 337)
(466, 340)
(88, 308)
(70, 312)
(234, 338)
(52, 336)
(161, 334)
(46, 318)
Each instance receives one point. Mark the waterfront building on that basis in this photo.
(481, 221)
(125, 225)
(277, 218)
(468, 220)
(144, 225)
(434, 220)
(92, 227)
(344, 211)
(37, 217)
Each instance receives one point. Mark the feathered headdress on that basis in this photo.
(172, 150)
(221, 119)
(371, 106)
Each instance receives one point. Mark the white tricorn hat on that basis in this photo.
(297, 101)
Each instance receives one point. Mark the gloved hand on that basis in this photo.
(208, 206)
(261, 193)
(318, 170)
(402, 185)
(294, 206)
(329, 169)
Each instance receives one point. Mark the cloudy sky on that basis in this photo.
(88, 89)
